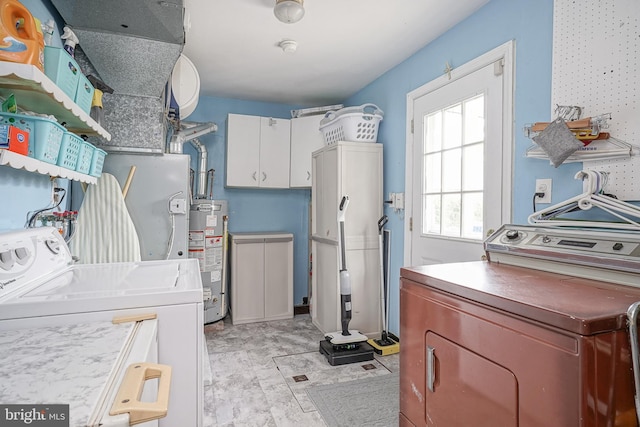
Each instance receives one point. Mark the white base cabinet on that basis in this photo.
(351, 169)
(261, 277)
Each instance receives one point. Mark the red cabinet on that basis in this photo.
(495, 345)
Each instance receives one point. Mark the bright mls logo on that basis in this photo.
(34, 415)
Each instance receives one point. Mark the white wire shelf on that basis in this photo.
(18, 161)
(598, 145)
(34, 91)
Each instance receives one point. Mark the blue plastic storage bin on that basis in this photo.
(84, 94)
(45, 135)
(85, 156)
(97, 161)
(69, 150)
(62, 69)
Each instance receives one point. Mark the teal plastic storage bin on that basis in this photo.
(69, 150)
(85, 156)
(84, 94)
(60, 67)
(97, 162)
(45, 135)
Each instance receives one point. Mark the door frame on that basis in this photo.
(506, 52)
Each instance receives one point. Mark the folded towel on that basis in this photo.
(105, 230)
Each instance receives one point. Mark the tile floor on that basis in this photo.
(253, 368)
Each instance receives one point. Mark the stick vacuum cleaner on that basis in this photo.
(348, 345)
(388, 342)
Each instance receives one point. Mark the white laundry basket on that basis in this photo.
(356, 124)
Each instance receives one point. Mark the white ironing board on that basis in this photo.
(105, 230)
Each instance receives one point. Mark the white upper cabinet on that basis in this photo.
(305, 139)
(257, 151)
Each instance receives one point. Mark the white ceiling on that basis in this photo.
(343, 45)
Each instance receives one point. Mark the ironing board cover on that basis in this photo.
(105, 230)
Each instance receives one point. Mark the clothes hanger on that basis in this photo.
(599, 145)
(593, 151)
(591, 197)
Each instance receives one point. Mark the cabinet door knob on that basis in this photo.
(254, 176)
(264, 176)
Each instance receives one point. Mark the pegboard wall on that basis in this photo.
(596, 65)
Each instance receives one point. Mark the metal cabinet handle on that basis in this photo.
(431, 368)
(308, 175)
(254, 176)
(632, 318)
(264, 176)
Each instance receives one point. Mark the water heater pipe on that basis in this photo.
(201, 172)
(190, 132)
(223, 282)
(187, 132)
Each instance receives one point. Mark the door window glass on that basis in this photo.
(453, 165)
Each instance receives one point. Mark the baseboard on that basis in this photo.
(300, 309)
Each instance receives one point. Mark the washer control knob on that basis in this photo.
(7, 260)
(546, 239)
(22, 255)
(617, 246)
(53, 245)
(512, 234)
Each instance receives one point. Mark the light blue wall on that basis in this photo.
(23, 191)
(529, 23)
(256, 210)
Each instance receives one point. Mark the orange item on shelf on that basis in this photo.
(14, 139)
(21, 39)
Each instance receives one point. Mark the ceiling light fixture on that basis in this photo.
(289, 11)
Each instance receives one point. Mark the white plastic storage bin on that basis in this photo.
(354, 124)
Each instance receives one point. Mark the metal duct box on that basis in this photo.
(135, 123)
(132, 44)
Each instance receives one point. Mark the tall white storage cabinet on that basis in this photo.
(261, 277)
(351, 169)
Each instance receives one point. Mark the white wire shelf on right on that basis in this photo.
(598, 144)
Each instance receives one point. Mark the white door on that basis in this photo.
(460, 173)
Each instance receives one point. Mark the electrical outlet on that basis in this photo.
(396, 201)
(543, 186)
(178, 206)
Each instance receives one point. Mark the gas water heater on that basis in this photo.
(208, 243)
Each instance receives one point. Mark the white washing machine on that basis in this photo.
(40, 287)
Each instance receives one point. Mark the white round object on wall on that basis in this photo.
(185, 85)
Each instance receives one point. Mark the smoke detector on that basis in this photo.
(288, 46)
